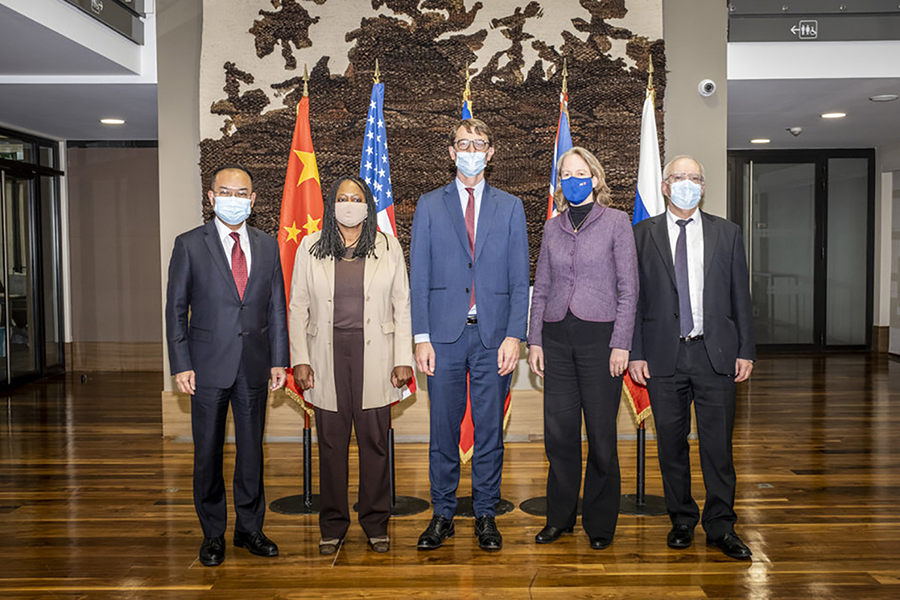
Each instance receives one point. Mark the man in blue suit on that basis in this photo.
(226, 327)
(469, 280)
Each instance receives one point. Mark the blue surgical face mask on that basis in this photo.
(471, 164)
(232, 210)
(577, 189)
(685, 194)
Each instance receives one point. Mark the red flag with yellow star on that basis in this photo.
(301, 204)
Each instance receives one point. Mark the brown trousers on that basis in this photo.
(333, 429)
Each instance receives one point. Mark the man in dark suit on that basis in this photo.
(693, 341)
(469, 299)
(226, 326)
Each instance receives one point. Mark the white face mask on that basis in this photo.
(351, 214)
(685, 194)
(471, 164)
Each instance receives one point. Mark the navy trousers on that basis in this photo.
(447, 393)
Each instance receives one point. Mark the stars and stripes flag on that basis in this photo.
(467, 427)
(301, 208)
(648, 202)
(375, 170)
(562, 145)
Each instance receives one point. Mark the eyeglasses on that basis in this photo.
(243, 194)
(694, 177)
(479, 145)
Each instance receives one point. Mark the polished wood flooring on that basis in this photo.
(95, 504)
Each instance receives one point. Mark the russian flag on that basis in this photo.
(648, 201)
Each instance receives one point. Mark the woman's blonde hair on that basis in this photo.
(601, 192)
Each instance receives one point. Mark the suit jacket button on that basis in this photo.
(470, 265)
(675, 315)
(467, 290)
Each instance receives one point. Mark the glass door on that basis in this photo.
(807, 218)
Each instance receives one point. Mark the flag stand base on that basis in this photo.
(465, 507)
(401, 506)
(306, 503)
(538, 506)
(641, 504)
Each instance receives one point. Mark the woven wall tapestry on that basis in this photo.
(254, 52)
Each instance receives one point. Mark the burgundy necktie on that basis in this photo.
(470, 230)
(238, 264)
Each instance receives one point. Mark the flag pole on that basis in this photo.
(640, 503)
(306, 503)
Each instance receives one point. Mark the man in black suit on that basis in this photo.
(226, 326)
(693, 341)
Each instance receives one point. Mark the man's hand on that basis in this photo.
(618, 362)
(425, 358)
(536, 360)
(400, 376)
(279, 378)
(186, 382)
(507, 356)
(304, 376)
(742, 368)
(639, 371)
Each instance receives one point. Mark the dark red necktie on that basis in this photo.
(470, 230)
(238, 264)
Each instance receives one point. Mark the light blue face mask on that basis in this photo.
(471, 164)
(685, 194)
(232, 210)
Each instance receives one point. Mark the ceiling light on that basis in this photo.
(884, 98)
(760, 141)
(834, 115)
(112, 121)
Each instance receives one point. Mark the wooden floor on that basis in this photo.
(94, 504)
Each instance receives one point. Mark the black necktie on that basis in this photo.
(682, 281)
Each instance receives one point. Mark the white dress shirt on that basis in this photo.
(228, 241)
(694, 233)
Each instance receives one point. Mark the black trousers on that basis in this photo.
(713, 396)
(209, 409)
(576, 382)
(333, 430)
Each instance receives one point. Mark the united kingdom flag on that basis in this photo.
(374, 168)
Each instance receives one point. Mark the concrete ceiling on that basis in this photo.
(767, 108)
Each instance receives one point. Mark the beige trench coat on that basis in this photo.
(386, 322)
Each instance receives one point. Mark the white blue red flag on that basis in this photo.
(648, 201)
(374, 168)
(563, 144)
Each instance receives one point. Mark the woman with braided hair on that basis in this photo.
(351, 350)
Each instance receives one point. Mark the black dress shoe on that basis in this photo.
(681, 536)
(489, 537)
(600, 543)
(550, 534)
(437, 531)
(257, 543)
(731, 546)
(212, 551)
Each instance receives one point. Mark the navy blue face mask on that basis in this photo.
(577, 189)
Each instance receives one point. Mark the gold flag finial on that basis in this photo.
(305, 82)
(467, 93)
(565, 85)
(650, 89)
(377, 72)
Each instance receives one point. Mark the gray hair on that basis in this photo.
(668, 168)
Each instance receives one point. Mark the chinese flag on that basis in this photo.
(638, 399)
(301, 206)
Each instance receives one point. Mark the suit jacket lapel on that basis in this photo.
(660, 234)
(457, 219)
(256, 254)
(485, 218)
(710, 239)
(214, 244)
(373, 263)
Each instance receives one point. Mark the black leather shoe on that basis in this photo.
(731, 546)
(680, 537)
(212, 551)
(550, 534)
(489, 537)
(600, 543)
(437, 531)
(257, 543)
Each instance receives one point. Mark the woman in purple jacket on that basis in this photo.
(582, 316)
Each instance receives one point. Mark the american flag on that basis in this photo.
(374, 168)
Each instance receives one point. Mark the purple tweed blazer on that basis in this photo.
(593, 273)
